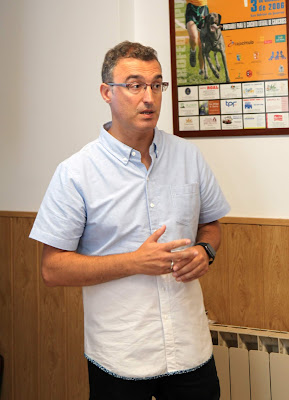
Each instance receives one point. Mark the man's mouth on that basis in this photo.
(147, 112)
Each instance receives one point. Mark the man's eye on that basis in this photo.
(157, 85)
(135, 85)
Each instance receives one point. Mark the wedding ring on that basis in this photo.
(172, 265)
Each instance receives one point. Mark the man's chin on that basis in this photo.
(148, 125)
(151, 119)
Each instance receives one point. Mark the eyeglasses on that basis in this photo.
(138, 87)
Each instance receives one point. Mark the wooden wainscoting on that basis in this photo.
(41, 329)
(248, 283)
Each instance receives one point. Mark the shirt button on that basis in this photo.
(152, 205)
(124, 159)
(133, 153)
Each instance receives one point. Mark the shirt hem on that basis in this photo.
(184, 371)
(46, 238)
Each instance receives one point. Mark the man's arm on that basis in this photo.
(196, 263)
(67, 268)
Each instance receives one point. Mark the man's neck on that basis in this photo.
(139, 141)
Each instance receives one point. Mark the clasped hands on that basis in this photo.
(155, 258)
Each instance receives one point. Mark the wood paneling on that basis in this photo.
(249, 287)
(254, 221)
(25, 310)
(41, 329)
(76, 362)
(6, 307)
(53, 361)
(215, 284)
(52, 343)
(245, 275)
(276, 276)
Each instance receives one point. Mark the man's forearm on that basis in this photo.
(67, 268)
(210, 233)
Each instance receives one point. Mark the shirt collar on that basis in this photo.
(120, 150)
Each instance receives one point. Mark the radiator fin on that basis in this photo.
(240, 376)
(279, 364)
(221, 354)
(252, 364)
(259, 375)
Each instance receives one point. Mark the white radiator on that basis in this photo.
(252, 364)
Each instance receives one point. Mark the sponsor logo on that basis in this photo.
(271, 87)
(230, 103)
(227, 120)
(188, 91)
(248, 105)
(249, 73)
(278, 117)
(232, 43)
(280, 38)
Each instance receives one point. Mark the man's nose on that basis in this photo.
(148, 96)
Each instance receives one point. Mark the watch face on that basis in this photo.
(210, 250)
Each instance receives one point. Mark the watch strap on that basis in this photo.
(209, 250)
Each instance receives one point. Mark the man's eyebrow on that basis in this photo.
(140, 77)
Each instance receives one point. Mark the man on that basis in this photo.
(195, 12)
(122, 218)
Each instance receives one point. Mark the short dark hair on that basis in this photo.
(125, 49)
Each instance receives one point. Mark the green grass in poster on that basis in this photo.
(186, 75)
(192, 74)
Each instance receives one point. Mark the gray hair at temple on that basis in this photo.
(125, 50)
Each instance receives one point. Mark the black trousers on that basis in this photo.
(201, 384)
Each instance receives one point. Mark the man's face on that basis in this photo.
(135, 112)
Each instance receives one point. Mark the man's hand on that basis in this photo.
(68, 268)
(153, 258)
(195, 263)
(195, 260)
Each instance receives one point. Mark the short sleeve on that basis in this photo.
(61, 218)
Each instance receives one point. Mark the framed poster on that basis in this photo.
(229, 67)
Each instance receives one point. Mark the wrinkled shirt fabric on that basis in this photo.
(101, 201)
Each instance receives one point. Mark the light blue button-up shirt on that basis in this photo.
(102, 201)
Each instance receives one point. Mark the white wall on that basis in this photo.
(253, 171)
(50, 104)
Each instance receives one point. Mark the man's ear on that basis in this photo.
(105, 91)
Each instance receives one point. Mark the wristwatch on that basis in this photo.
(209, 249)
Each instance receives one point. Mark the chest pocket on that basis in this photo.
(186, 203)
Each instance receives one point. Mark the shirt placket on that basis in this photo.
(165, 299)
(163, 281)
